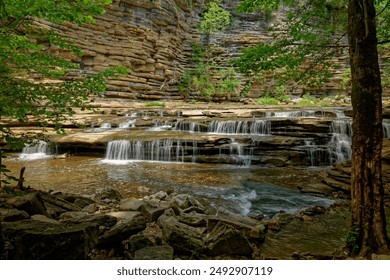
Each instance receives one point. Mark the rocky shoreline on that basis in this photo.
(164, 225)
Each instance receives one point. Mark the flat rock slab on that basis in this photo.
(37, 240)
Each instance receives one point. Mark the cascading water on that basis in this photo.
(258, 127)
(36, 150)
(340, 143)
(127, 124)
(291, 114)
(157, 150)
(338, 148)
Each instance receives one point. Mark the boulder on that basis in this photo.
(11, 215)
(185, 201)
(35, 240)
(137, 242)
(123, 230)
(183, 238)
(130, 204)
(164, 252)
(56, 205)
(107, 195)
(255, 232)
(150, 212)
(32, 203)
(226, 240)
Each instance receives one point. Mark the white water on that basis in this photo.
(255, 127)
(157, 150)
(36, 150)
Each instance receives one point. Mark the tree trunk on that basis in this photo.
(368, 223)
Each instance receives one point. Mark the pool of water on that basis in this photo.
(242, 190)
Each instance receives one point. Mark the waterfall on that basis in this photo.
(236, 151)
(188, 126)
(340, 142)
(260, 127)
(157, 150)
(36, 150)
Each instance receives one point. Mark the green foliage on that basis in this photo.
(34, 82)
(266, 100)
(206, 79)
(352, 241)
(214, 19)
(303, 46)
(155, 104)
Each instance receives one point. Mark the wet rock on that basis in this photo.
(123, 230)
(11, 215)
(313, 211)
(164, 252)
(32, 203)
(35, 240)
(226, 240)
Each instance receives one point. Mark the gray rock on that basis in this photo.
(226, 240)
(107, 194)
(32, 203)
(256, 232)
(35, 240)
(164, 252)
(137, 242)
(123, 230)
(45, 219)
(193, 219)
(131, 204)
(150, 212)
(183, 238)
(185, 201)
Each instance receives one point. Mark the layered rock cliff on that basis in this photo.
(153, 38)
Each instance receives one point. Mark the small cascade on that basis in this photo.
(161, 126)
(291, 114)
(127, 124)
(157, 150)
(386, 129)
(337, 149)
(340, 143)
(236, 151)
(255, 127)
(103, 127)
(188, 126)
(37, 150)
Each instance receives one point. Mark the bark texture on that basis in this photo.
(368, 224)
